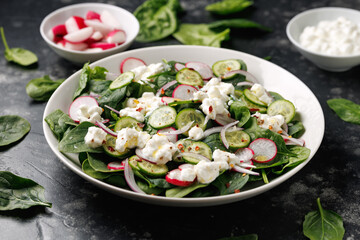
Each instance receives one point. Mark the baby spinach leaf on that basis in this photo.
(296, 129)
(239, 112)
(59, 123)
(238, 23)
(200, 34)
(276, 96)
(225, 7)
(116, 180)
(345, 109)
(112, 98)
(323, 225)
(148, 190)
(214, 142)
(92, 172)
(41, 89)
(99, 162)
(12, 129)
(73, 142)
(20, 56)
(230, 182)
(302, 153)
(243, 237)
(17, 192)
(157, 18)
(179, 192)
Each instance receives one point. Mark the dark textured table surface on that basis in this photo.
(83, 211)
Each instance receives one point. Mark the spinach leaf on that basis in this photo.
(116, 180)
(99, 162)
(73, 142)
(200, 34)
(17, 192)
(276, 96)
(112, 98)
(92, 172)
(59, 123)
(243, 237)
(225, 7)
(214, 142)
(20, 56)
(157, 18)
(136, 89)
(149, 190)
(296, 129)
(239, 112)
(237, 23)
(41, 89)
(179, 192)
(12, 129)
(302, 153)
(345, 109)
(230, 182)
(323, 224)
(99, 86)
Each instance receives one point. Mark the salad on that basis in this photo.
(179, 129)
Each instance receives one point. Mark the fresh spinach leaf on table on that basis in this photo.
(59, 123)
(12, 129)
(41, 89)
(226, 7)
(20, 56)
(157, 18)
(345, 109)
(200, 34)
(238, 23)
(20, 193)
(323, 225)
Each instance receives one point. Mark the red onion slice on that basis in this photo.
(195, 155)
(293, 141)
(243, 170)
(141, 155)
(210, 131)
(248, 75)
(171, 137)
(163, 88)
(223, 119)
(223, 131)
(250, 84)
(202, 68)
(130, 178)
(179, 66)
(106, 129)
(180, 131)
(112, 109)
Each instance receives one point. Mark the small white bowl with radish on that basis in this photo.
(89, 31)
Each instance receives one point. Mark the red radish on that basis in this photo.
(248, 75)
(92, 15)
(223, 119)
(102, 45)
(116, 36)
(179, 66)
(264, 149)
(61, 43)
(93, 50)
(203, 69)
(173, 178)
(99, 26)
(244, 154)
(173, 137)
(74, 24)
(161, 91)
(116, 165)
(79, 36)
(108, 19)
(184, 92)
(57, 33)
(75, 46)
(75, 106)
(130, 63)
(168, 100)
(95, 37)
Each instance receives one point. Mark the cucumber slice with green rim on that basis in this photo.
(252, 107)
(238, 93)
(221, 67)
(189, 146)
(154, 170)
(237, 139)
(162, 117)
(282, 107)
(188, 115)
(189, 77)
(109, 148)
(175, 103)
(123, 80)
(133, 161)
(254, 99)
(125, 122)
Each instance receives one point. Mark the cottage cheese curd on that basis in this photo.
(143, 72)
(339, 37)
(159, 149)
(260, 92)
(89, 114)
(196, 133)
(95, 137)
(186, 173)
(207, 171)
(128, 138)
(273, 123)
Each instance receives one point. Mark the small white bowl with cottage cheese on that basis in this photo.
(329, 37)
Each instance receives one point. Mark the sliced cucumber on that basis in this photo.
(189, 146)
(188, 115)
(125, 122)
(238, 93)
(109, 148)
(123, 80)
(252, 107)
(162, 117)
(189, 77)
(221, 67)
(282, 107)
(133, 161)
(154, 170)
(237, 139)
(254, 99)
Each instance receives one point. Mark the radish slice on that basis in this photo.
(213, 130)
(116, 165)
(248, 75)
(244, 170)
(92, 15)
(245, 83)
(264, 149)
(130, 63)
(106, 129)
(223, 131)
(140, 154)
(116, 36)
(173, 178)
(79, 36)
(185, 165)
(223, 119)
(203, 69)
(180, 131)
(179, 66)
(75, 106)
(173, 137)
(130, 178)
(167, 100)
(107, 18)
(57, 33)
(74, 23)
(163, 88)
(245, 154)
(99, 26)
(184, 92)
(102, 45)
(95, 37)
(75, 46)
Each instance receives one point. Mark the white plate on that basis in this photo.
(273, 77)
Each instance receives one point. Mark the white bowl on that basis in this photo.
(311, 18)
(290, 87)
(130, 26)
